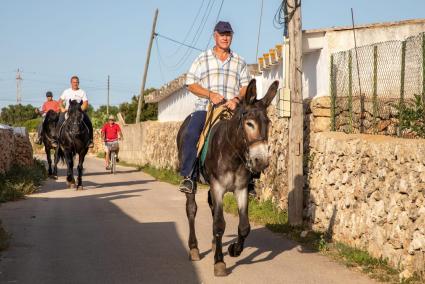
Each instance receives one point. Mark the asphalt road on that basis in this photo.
(129, 228)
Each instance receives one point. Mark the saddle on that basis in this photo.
(214, 115)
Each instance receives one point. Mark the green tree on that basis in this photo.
(100, 116)
(17, 115)
(129, 110)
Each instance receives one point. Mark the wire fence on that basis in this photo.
(378, 88)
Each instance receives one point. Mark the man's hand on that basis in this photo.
(216, 98)
(232, 104)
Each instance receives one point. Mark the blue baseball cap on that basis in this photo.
(223, 27)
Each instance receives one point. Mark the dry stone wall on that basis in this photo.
(151, 142)
(273, 183)
(15, 149)
(369, 192)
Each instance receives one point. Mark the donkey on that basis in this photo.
(237, 149)
(73, 139)
(49, 129)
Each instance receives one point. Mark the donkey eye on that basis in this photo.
(250, 124)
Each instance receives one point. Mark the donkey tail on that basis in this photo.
(61, 154)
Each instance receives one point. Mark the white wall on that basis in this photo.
(177, 106)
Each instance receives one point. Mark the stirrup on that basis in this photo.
(185, 189)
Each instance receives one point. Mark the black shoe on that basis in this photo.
(118, 160)
(187, 185)
(251, 189)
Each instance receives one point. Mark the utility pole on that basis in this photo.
(145, 73)
(18, 87)
(107, 103)
(295, 159)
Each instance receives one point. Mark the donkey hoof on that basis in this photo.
(80, 187)
(71, 185)
(220, 269)
(194, 255)
(233, 252)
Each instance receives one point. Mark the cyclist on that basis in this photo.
(111, 133)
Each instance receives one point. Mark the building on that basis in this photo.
(175, 102)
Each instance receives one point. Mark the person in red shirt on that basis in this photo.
(50, 104)
(111, 133)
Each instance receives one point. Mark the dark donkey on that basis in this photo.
(73, 139)
(49, 128)
(236, 150)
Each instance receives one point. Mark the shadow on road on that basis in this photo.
(61, 184)
(107, 173)
(89, 239)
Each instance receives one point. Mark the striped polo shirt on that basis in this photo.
(223, 77)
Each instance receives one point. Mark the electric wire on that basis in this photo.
(216, 20)
(197, 35)
(259, 29)
(190, 29)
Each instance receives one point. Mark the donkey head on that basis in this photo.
(255, 124)
(75, 116)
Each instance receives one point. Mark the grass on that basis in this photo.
(19, 181)
(166, 175)
(101, 155)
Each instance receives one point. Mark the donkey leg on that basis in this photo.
(210, 203)
(219, 225)
(80, 168)
(70, 167)
(191, 208)
(55, 166)
(244, 227)
(49, 160)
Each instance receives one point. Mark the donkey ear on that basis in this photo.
(251, 92)
(271, 93)
(81, 103)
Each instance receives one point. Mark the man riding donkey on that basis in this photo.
(49, 104)
(111, 133)
(233, 141)
(79, 95)
(218, 75)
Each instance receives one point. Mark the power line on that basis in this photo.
(216, 20)
(159, 61)
(197, 34)
(178, 42)
(190, 29)
(259, 29)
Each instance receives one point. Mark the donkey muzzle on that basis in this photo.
(259, 156)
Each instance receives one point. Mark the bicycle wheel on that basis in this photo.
(113, 162)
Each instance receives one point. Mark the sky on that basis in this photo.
(51, 40)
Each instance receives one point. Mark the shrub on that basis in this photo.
(19, 181)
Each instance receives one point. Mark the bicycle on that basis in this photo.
(113, 148)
